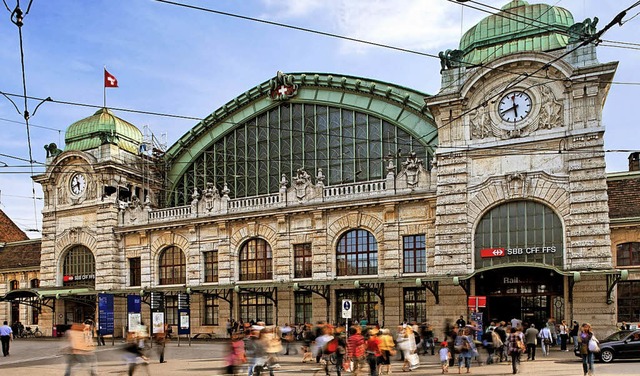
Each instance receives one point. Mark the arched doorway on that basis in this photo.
(518, 246)
(530, 294)
(79, 271)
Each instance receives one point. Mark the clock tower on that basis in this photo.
(521, 186)
(100, 169)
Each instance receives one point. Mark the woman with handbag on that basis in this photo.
(588, 346)
(464, 345)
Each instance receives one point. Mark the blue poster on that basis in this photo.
(184, 326)
(105, 314)
(134, 304)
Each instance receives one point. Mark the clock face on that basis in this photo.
(78, 184)
(514, 106)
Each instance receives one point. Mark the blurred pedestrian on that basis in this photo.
(575, 330)
(80, 349)
(530, 338)
(387, 350)
(235, 354)
(514, 348)
(445, 355)
(563, 330)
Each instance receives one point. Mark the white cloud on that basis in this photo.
(294, 9)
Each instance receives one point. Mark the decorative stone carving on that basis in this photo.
(551, 110)
(210, 195)
(301, 181)
(517, 184)
(282, 87)
(413, 173)
(480, 123)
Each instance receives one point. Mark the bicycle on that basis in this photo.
(30, 333)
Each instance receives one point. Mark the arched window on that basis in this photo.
(519, 231)
(173, 267)
(628, 254)
(79, 267)
(357, 254)
(256, 260)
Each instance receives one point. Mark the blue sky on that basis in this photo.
(174, 60)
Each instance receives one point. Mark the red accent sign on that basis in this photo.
(492, 252)
(477, 301)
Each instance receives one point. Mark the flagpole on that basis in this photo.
(104, 89)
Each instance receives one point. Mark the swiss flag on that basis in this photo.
(109, 79)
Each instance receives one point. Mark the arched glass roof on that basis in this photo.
(346, 126)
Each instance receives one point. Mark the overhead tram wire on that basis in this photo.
(17, 18)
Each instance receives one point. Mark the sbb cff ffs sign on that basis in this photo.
(492, 252)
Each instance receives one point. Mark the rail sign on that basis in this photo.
(346, 308)
(492, 252)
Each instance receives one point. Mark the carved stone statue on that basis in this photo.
(320, 178)
(301, 181)
(52, 150)
(210, 195)
(450, 59)
(582, 31)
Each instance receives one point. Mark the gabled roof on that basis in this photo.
(9, 231)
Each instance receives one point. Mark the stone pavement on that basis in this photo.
(43, 357)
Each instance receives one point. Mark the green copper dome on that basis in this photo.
(518, 27)
(103, 127)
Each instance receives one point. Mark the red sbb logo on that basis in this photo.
(492, 252)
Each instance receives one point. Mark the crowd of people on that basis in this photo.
(372, 349)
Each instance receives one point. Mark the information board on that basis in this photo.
(105, 314)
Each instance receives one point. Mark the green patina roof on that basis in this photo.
(103, 127)
(518, 27)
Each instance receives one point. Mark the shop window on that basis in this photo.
(211, 266)
(302, 260)
(171, 309)
(415, 304)
(414, 254)
(628, 254)
(135, 271)
(255, 260)
(629, 301)
(357, 254)
(303, 307)
(172, 267)
(79, 267)
(255, 307)
(211, 309)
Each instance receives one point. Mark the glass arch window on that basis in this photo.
(357, 254)
(79, 267)
(628, 254)
(256, 260)
(527, 231)
(172, 266)
(349, 146)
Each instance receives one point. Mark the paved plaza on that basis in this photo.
(43, 356)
